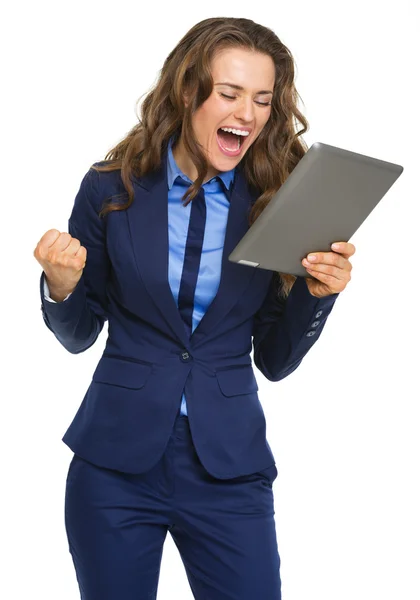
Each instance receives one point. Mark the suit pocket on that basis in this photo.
(123, 373)
(236, 380)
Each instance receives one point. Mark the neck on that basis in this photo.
(186, 165)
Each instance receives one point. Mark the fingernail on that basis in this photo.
(311, 257)
(335, 246)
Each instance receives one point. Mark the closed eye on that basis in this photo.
(234, 98)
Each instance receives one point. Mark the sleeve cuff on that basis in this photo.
(61, 311)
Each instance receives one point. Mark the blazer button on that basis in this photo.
(310, 333)
(185, 356)
(318, 314)
(315, 323)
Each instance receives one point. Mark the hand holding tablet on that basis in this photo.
(331, 270)
(325, 199)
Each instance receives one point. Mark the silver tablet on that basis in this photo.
(325, 199)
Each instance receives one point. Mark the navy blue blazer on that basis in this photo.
(128, 411)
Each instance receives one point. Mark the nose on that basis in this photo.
(245, 110)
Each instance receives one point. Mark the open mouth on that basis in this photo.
(230, 142)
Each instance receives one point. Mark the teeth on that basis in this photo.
(235, 131)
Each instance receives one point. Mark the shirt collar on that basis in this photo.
(174, 171)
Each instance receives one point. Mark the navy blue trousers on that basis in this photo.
(116, 525)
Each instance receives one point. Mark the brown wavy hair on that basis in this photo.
(187, 69)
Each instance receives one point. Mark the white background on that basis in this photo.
(344, 426)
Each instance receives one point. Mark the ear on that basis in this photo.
(188, 94)
(186, 98)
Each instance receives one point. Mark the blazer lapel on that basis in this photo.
(148, 224)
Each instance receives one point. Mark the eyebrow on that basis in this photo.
(239, 87)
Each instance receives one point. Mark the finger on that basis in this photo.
(63, 242)
(333, 283)
(49, 238)
(328, 258)
(327, 270)
(74, 247)
(345, 248)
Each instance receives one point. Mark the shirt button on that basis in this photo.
(310, 333)
(185, 356)
(318, 314)
(315, 323)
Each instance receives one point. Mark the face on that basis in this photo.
(248, 106)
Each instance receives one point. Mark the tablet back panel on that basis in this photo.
(325, 199)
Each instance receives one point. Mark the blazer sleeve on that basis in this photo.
(285, 329)
(78, 321)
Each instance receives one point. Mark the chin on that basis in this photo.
(225, 163)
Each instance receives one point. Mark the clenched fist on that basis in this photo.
(63, 259)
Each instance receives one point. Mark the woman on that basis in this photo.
(170, 435)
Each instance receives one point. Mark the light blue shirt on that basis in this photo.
(217, 209)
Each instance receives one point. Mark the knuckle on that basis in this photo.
(68, 261)
(53, 258)
(79, 264)
(42, 253)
